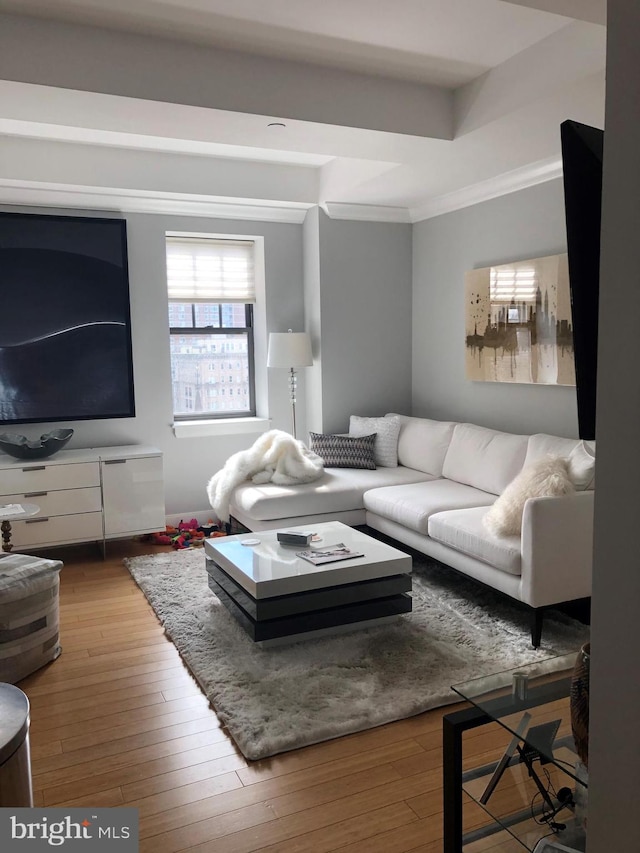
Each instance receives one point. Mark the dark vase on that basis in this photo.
(579, 703)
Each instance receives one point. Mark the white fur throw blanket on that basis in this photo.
(276, 457)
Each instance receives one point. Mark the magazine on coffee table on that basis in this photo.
(331, 554)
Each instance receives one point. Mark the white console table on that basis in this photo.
(88, 495)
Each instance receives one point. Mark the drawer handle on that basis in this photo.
(35, 494)
(36, 520)
(35, 468)
(115, 461)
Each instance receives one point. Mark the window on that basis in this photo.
(211, 292)
(512, 293)
(513, 283)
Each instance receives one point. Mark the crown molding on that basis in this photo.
(365, 212)
(44, 194)
(145, 201)
(509, 182)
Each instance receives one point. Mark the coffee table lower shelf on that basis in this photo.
(329, 609)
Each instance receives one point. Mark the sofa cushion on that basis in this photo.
(464, 530)
(581, 455)
(413, 504)
(387, 430)
(484, 458)
(338, 490)
(540, 444)
(582, 465)
(343, 451)
(423, 444)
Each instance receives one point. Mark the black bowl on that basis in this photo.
(48, 444)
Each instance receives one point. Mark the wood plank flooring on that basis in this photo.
(117, 720)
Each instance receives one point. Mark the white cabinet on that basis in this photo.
(85, 495)
(133, 499)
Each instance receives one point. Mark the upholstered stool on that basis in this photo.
(29, 589)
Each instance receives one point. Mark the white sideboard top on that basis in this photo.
(89, 454)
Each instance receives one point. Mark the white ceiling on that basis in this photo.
(417, 106)
(425, 40)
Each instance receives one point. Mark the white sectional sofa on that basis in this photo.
(434, 502)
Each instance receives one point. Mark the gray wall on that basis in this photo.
(521, 225)
(614, 748)
(190, 462)
(353, 282)
(365, 305)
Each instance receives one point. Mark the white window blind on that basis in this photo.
(201, 269)
(513, 283)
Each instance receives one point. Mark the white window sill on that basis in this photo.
(220, 426)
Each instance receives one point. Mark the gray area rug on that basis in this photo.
(281, 698)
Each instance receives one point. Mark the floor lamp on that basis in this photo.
(291, 350)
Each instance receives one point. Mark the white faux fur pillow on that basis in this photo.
(546, 477)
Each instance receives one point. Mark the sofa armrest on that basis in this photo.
(557, 548)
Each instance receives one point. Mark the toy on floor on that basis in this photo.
(188, 539)
(188, 534)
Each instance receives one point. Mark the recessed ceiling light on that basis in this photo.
(276, 124)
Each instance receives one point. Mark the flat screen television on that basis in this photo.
(582, 148)
(65, 326)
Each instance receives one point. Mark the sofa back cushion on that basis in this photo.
(423, 443)
(484, 458)
(581, 456)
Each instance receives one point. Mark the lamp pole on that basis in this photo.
(293, 381)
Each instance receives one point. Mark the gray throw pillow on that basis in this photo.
(387, 432)
(343, 451)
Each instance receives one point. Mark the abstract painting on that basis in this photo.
(65, 328)
(518, 323)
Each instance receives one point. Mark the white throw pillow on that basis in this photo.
(387, 431)
(582, 466)
(547, 477)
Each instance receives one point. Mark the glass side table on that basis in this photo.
(14, 512)
(523, 780)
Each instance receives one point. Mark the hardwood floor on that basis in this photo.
(117, 720)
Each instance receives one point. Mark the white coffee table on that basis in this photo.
(276, 595)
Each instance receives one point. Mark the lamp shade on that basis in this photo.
(289, 349)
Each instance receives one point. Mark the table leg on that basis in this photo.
(453, 727)
(6, 535)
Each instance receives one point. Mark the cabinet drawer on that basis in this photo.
(41, 530)
(48, 478)
(62, 502)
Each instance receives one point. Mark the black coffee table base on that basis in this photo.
(286, 616)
